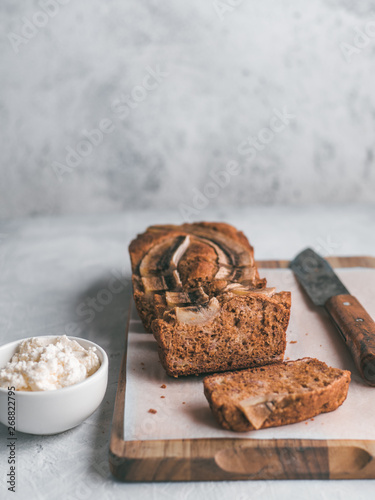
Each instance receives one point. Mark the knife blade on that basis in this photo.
(355, 325)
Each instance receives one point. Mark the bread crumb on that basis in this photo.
(163, 386)
(162, 397)
(183, 402)
(306, 423)
(293, 342)
(312, 419)
(151, 410)
(142, 364)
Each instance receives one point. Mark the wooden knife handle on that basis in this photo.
(358, 330)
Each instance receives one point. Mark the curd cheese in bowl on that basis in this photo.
(55, 381)
(45, 364)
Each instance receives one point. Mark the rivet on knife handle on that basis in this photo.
(358, 329)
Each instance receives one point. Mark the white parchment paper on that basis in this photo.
(182, 410)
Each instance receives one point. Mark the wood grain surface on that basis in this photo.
(358, 331)
(238, 459)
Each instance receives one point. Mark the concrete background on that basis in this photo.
(225, 71)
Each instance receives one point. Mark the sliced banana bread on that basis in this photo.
(197, 288)
(277, 394)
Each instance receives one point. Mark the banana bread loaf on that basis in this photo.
(197, 288)
(273, 395)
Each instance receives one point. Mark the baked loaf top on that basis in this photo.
(187, 266)
(276, 394)
(200, 252)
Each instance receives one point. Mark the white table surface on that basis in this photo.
(51, 266)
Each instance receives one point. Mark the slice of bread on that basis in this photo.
(277, 394)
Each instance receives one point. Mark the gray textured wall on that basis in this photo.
(279, 95)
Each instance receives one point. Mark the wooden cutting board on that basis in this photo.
(237, 458)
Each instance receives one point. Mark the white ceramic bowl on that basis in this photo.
(50, 412)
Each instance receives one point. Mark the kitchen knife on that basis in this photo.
(353, 322)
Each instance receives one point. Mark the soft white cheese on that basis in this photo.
(43, 364)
